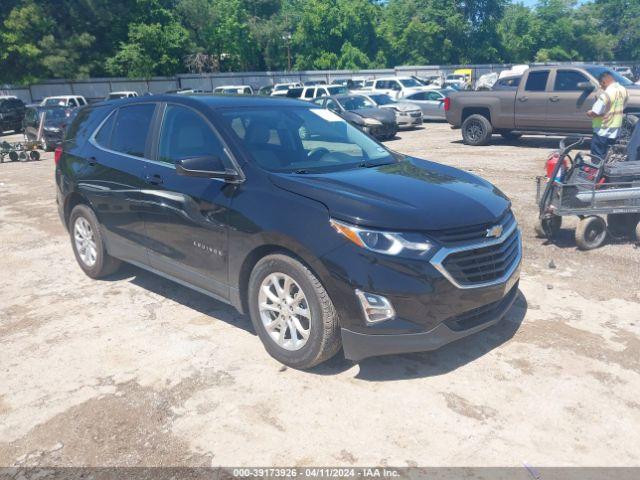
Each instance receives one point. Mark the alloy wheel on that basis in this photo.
(85, 241)
(284, 311)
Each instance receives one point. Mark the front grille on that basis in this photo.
(485, 263)
(473, 233)
(415, 114)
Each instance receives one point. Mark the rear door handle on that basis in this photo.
(523, 99)
(554, 98)
(154, 179)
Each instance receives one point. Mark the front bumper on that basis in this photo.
(358, 346)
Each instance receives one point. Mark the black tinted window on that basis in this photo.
(131, 129)
(537, 81)
(568, 80)
(185, 134)
(103, 137)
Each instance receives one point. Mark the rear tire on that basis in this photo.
(548, 227)
(622, 225)
(638, 232)
(591, 233)
(273, 312)
(88, 244)
(476, 130)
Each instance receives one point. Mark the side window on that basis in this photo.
(318, 101)
(103, 137)
(185, 134)
(321, 91)
(247, 91)
(309, 92)
(418, 96)
(131, 129)
(537, 81)
(433, 96)
(332, 105)
(81, 101)
(568, 80)
(395, 85)
(380, 84)
(72, 103)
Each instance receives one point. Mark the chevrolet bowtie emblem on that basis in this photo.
(495, 231)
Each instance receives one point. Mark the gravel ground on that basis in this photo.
(138, 371)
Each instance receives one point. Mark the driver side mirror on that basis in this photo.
(206, 167)
(586, 86)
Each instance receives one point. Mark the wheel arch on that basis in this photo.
(72, 200)
(468, 111)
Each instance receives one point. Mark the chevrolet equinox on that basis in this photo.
(325, 237)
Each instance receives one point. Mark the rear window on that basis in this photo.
(537, 81)
(131, 129)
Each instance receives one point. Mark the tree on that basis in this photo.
(519, 33)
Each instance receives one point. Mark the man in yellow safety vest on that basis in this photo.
(607, 114)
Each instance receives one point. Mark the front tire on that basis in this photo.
(476, 130)
(88, 244)
(292, 312)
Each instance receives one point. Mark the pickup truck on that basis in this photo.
(550, 100)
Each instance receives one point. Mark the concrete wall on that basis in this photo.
(95, 89)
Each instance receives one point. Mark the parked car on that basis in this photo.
(349, 83)
(186, 91)
(120, 95)
(408, 115)
(430, 102)
(550, 100)
(397, 87)
(309, 93)
(266, 90)
(56, 121)
(234, 90)
(11, 114)
(507, 83)
(70, 101)
(457, 81)
(311, 83)
(363, 113)
(281, 89)
(323, 236)
(624, 71)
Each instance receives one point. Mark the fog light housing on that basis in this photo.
(376, 308)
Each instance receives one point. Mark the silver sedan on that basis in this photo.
(408, 115)
(431, 102)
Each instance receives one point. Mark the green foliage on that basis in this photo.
(144, 38)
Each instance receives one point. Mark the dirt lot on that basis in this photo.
(136, 370)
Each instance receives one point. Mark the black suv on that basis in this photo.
(56, 120)
(292, 215)
(11, 114)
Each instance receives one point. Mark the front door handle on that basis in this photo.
(555, 98)
(154, 179)
(523, 99)
(92, 161)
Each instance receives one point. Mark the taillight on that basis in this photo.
(447, 104)
(57, 155)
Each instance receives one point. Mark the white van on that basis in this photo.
(71, 101)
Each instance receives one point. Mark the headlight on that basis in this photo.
(372, 122)
(389, 243)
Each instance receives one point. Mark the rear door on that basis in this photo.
(186, 217)
(113, 181)
(532, 99)
(568, 104)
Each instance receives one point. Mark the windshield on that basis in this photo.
(114, 96)
(410, 82)
(279, 88)
(356, 102)
(303, 140)
(382, 99)
(337, 90)
(597, 71)
(55, 101)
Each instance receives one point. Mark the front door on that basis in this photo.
(186, 217)
(569, 104)
(531, 102)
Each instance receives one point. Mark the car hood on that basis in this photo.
(384, 115)
(412, 194)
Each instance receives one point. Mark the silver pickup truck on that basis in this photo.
(550, 100)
